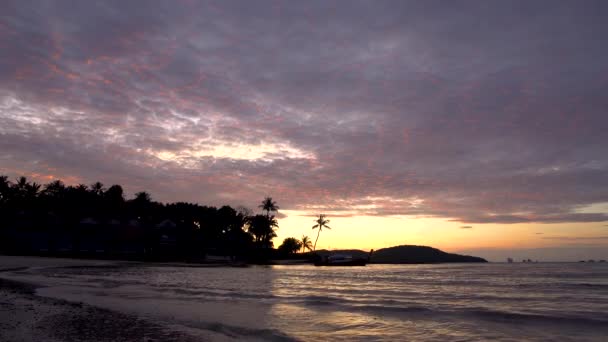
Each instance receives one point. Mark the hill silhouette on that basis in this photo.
(410, 254)
(407, 254)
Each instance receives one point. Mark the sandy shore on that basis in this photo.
(24, 316)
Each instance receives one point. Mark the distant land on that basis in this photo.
(408, 254)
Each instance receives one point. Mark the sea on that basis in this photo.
(440, 302)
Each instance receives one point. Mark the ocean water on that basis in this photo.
(449, 302)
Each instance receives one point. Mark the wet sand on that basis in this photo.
(25, 316)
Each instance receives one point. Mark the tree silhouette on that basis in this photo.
(81, 188)
(5, 187)
(290, 246)
(77, 220)
(21, 182)
(32, 190)
(20, 189)
(115, 194)
(321, 223)
(269, 205)
(263, 229)
(54, 189)
(143, 197)
(97, 188)
(306, 243)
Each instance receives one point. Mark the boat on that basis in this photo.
(342, 260)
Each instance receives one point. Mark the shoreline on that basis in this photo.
(25, 316)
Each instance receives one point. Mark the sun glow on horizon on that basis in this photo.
(374, 232)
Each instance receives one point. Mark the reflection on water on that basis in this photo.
(382, 302)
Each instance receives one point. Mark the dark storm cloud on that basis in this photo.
(476, 111)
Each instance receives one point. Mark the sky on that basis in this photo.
(475, 126)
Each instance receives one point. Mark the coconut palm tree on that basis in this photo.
(81, 188)
(263, 229)
(269, 205)
(32, 190)
(21, 186)
(321, 223)
(97, 188)
(306, 243)
(54, 189)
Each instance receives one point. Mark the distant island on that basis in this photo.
(409, 254)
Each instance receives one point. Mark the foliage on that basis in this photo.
(263, 230)
(77, 219)
(321, 223)
(306, 243)
(269, 205)
(290, 246)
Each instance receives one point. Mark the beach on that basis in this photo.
(88, 300)
(25, 316)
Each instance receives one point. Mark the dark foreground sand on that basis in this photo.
(25, 316)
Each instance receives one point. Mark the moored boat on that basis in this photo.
(342, 260)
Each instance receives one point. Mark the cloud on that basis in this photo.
(538, 233)
(398, 109)
(466, 227)
(575, 238)
(281, 215)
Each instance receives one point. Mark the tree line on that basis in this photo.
(57, 218)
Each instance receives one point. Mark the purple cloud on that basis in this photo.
(388, 108)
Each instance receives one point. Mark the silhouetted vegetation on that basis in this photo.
(290, 246)
(306, 244)
(268, 205)
(95, 221)
(81, 220)
(321, 223)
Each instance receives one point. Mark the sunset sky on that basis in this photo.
(475, 126)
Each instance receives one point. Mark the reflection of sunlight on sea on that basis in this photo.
(376, 302)
(319, 324)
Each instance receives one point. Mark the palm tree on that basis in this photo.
(81, 188)
(32, 190)
(263, 229)
(54, 189)
(97, 188)
(306, 243)
(269, 205)
(321, 223)
(21, 186)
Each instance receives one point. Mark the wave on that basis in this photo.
(482, 314)
(384, 297)
(495, 315)
(242, 332)
(321, 300)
